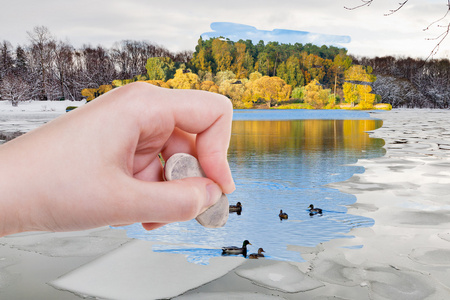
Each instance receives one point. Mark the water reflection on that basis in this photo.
(282, 165)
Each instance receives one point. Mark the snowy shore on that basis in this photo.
(29, 115)
(405, 255)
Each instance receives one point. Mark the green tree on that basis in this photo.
(160, 68)
(155, 70)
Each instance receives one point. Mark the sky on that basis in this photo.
(178, 24)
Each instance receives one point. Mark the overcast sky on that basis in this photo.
(178, 24)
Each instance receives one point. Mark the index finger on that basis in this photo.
(209, 116)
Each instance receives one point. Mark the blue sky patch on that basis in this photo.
(235, 32)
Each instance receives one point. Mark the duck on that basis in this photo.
(257, 255)
(283, 215)
(236, 208)
(233, 250)
(313, 210)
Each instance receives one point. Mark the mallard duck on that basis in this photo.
(233, 250)
(313, 210)
(256, 255)
(236, 208)
(283, 215)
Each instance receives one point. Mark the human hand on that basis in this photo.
(98, 165)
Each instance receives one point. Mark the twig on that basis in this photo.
(392, 11)
(440, 37)
(365, 3)
(445, 15)
(443, 35)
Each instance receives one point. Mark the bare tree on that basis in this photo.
(63, 62)
(42, 50)
(14, 88)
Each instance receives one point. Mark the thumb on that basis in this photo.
(172, 201)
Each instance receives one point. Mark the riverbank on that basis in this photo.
(405, 255)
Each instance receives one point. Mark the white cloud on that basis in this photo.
(177, 24)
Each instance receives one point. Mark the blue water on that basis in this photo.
(299, 114)
(277, 163)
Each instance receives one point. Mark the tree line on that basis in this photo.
(50, 69)
(409, 82)
(250, 75)
(272, 74)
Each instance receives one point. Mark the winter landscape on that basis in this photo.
(403, 255)
(384, 232)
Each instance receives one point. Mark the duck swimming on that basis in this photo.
(257, 255)
(283, 215)
(236, 208)
(313, 210)
(233, 250)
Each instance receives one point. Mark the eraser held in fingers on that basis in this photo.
(182, 165)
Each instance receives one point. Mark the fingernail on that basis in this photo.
(214, 193)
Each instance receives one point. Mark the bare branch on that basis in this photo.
(445, 15)
(392, 11)
(441, 38)
(365, 3)
(443, 35)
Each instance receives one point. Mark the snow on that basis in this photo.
(38, 106)
(29, 115)
(135, 272)
(282, 276)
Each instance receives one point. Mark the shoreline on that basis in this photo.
(404, 255)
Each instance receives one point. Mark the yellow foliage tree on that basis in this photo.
(221, 51)
(159, 83)
(119, 82)
(184, 79)
(239, 61)
(233, 89)
(209, 86)
(268, 89)
(357, 87)
(91, 94)
(315, 95)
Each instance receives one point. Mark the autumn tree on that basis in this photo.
(223, 76)
(209, 86)
(221, 52)
(233, 89)
(159, 83)
(202, 60)
(91, 94)
(315, 95)
(271, 90)
(239, 61)
(184, 79)
(357, 87)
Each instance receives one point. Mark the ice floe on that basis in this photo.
(282, 276)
